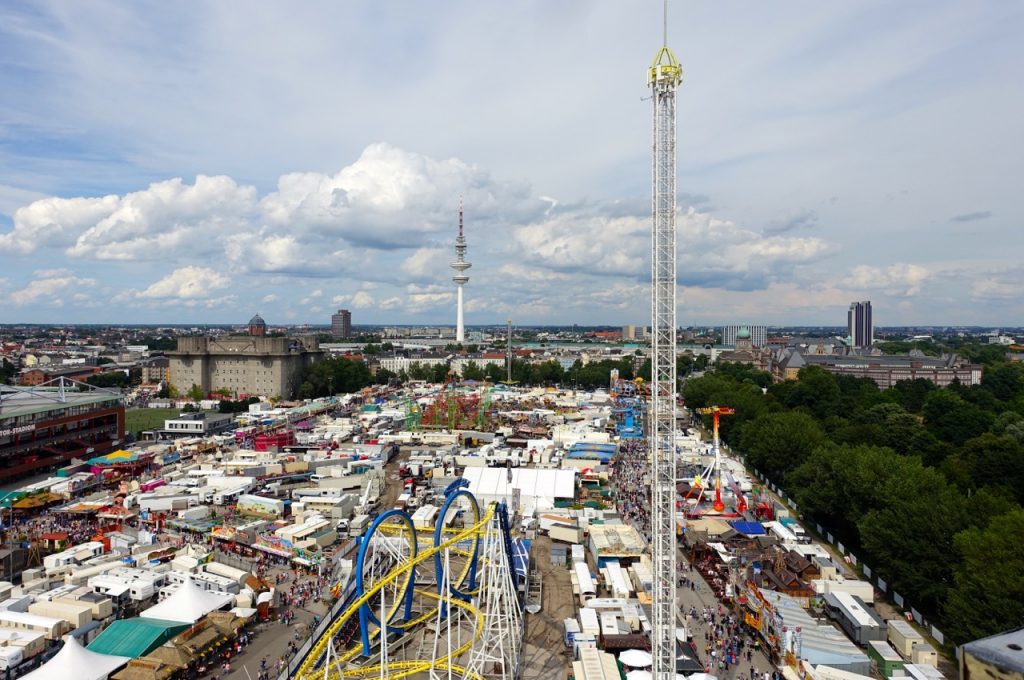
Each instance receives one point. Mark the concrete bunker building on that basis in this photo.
(247, 365)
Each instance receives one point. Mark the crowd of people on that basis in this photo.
(726, 646)
(632, 485)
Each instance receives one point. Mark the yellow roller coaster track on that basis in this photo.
(399, 669)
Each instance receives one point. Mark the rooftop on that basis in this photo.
(26, 401)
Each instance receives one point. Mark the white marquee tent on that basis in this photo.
(188, 604)
(539, 488)
(75, 661)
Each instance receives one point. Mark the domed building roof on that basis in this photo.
(257, 321)
(743, 334)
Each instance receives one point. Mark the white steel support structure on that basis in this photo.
(664, 77)
(496, 655)
(460, 266)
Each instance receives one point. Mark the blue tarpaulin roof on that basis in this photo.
(521, 556)
(749, 528)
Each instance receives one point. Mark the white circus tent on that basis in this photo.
(188, 604)
(75, 661)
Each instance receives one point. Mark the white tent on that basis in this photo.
(75, 661)
(188, 604)
(636, 658)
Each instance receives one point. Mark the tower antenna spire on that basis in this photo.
(664, 25)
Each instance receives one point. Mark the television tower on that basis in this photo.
(663, 77)
(460, 266)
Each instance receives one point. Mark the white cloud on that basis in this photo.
(46, 288)
(897, 279)
(167, 220)
(426, 262)
(711, 251)
(391, 198)
(362, 300)
(994, 288)
(187, 283)
(55, 222)
(267, 299)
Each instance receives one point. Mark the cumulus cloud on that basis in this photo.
(426, 262)
(389, 198)
(49, 284)
(711, 251)
(994, 289)
(897, 279)
(166, 219)
(187, 283)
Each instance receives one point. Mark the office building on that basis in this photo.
(341, 324)
(758, 335)
(858, 321)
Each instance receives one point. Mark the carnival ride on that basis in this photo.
(455, 408)
(628, 410)
(700, 483)
(461, 619)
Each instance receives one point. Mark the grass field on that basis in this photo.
(140, 419)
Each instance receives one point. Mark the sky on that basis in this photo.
(197, 162)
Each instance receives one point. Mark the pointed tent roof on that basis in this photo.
(75, 661)
(188, 604)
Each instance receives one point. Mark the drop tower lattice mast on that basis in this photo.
(664, 77)
(460, 266)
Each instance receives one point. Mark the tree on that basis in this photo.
(952, 419)
(909, 537)
(494, 373)
(195, 393)
(992, 461)
(472, 371)
(1005, 382)
(777, 443)
(114, 379)
(817, 391)
(988, 592)
(384, 376)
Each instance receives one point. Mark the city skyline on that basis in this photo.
(826, 154)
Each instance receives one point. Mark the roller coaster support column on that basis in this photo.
(496, 656)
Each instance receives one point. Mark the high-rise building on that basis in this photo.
(758, 334)
(460, 266)
(858, 321)
(341, 324)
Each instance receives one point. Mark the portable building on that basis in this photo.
(572, 629)
(566, 533)
(855, 617)
(585, 581)
(590, 624)
(923, 654)
(76, 615)
(903, 637)
(52, 628)
(885, 657)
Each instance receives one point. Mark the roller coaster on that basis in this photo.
(400, 618)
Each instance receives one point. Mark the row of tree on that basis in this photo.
(925, 484)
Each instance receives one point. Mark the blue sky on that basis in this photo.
(198, 162)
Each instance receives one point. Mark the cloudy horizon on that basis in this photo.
(197, 163)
